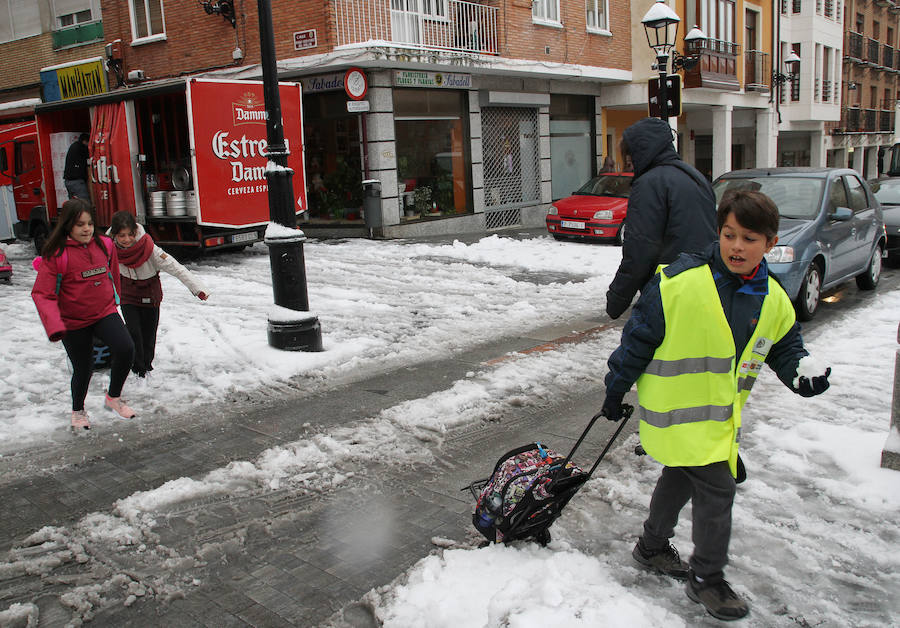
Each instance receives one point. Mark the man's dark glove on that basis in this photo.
(613, 408)
(615, 305)
(807, 387)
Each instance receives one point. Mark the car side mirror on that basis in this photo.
(841, 213)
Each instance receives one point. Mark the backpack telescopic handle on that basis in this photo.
(627, 411)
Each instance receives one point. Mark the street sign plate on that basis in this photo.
(355, 106)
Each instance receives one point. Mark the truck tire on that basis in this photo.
(39, 234)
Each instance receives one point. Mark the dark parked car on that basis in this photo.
(831, 229)
(887, 191)
(595, 211)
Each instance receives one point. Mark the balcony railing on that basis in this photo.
(756, 71)
(850, 118)
(888, 57)
(886, 121)
(827, 86)
(466, 27)
(854, 45)
(873, 48)
(718, 65)
(868, 120)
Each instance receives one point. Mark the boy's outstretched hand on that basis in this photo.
(816, 385)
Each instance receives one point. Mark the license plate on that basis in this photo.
(572, 224)
(244, 237)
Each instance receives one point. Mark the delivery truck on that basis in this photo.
(186, 156)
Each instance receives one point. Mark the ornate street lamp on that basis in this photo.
(661, 27)
(791, 62)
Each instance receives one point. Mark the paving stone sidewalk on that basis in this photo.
(281, 558)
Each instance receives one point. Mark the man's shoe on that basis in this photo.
(717, 597)
(665, 561)
(80, 420)
(118, 405)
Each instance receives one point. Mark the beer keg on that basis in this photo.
(157, 204)
(175, 203)
(190, 200)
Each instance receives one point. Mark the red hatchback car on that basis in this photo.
(594, 211)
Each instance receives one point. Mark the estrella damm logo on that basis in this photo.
(248, 110)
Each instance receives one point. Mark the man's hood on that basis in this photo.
(650, 143)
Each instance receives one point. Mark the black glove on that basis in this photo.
(816, 386)
(615, 305)
(613, 408)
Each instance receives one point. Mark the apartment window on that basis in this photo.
(19, 19)
(435, 8)
(860, 23)
(876, 30)
(890, 36)
(71, 19)
(714, 17)
(146, 18)
(597, 15)
(545, 11)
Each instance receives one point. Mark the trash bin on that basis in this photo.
(372, 203)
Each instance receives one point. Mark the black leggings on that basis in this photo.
(79, 344)
(142, 323)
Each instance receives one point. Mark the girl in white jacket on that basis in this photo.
(140, 261)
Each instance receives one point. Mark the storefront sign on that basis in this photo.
(74, 80)
(413, 78)
(305, 39)
(230, 150)
(324, 83)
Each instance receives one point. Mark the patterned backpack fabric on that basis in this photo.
(525, 494)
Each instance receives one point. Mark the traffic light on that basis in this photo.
(673, 96)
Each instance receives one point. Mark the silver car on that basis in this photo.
(831, 229)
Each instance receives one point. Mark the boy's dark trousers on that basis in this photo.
(711, 490)
(142, 323)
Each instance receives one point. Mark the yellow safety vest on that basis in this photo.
(691, 393)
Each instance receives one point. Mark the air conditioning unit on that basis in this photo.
(136, 75)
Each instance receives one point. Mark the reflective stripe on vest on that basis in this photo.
(691, 394)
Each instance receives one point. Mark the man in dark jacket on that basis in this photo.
(75, 171)
(671, 209)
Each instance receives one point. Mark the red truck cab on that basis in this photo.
(23, 211)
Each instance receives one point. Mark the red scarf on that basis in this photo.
(137, 253)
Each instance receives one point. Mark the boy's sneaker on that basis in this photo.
(117, 405)
(80, 420)
(717, 597)
(665, 561)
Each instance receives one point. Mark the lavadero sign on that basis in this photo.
(73, 80)
(413, 78)
(230, 149)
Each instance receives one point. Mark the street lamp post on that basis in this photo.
(778, 79)
(290, 325)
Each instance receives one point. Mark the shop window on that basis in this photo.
(571, 143)
(510, 145)
(147, 19)
(431, 130)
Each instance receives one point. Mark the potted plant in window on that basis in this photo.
(422, 199)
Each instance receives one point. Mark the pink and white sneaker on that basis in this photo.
(80, 420)
(117, 405)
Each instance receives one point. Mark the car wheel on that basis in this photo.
(808, 299)
(620, 236)
(869, 279)
(39, 235)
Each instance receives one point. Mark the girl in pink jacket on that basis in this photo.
(76, 293)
